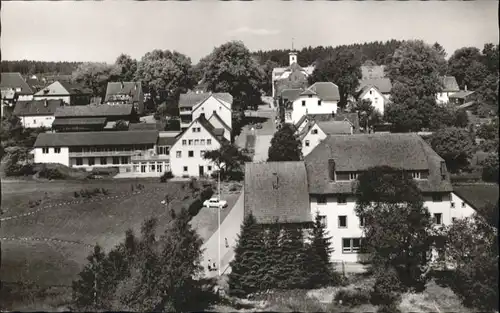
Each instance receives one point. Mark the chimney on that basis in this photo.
(276, 181)
(331, 169)
(122, 84)
(45, 103)
(465, 87)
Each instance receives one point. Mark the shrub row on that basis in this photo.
(166, 176)
(195, 207)
(86, 193)
(50, 173)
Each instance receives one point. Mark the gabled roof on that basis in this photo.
(277, 191)
(218, 118)
(290, 94)
(147, 126)
(132, 89)
(353, 118)
(216, 133)
(326, 91)
(99, 138)
(367, 88)
(384, 85)
(37, 107)
(63, 88)
(336, 127)
(95, 110)
(449, 84)
(462, 94)
(359, 152)
(75, 89)
(15, 80)
(193, 100)
(477, 195)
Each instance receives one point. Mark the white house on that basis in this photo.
(320, 98)
(192, 105)
(283, 74)
(376, 97)
(187, 153)
(71, 94)
(13, 88)
(37, 113)
(382, 84)
(141, 152)
(314, 132)
(450, 86)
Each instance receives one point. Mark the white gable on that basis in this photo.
(211, 105)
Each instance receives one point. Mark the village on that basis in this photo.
(359, 177)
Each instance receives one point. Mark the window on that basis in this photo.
(415, 175)
(202, 141)
(215, 111)
(190, 142)
(196, 142)
(341, 199)
(159, 169)
(185, 168)
(452, 205)
(361, 221)
(353, 176)
(143, 168)
(209, 142)
(342, 175)
(152, 168)
(437, 197)
(178, 154)
(319, 102)
(91, 161)
(202, 153)
(124, 160)
(371, 92)
(321, 199)
(34, 121)
(57, 150)
(376, 100)
(194, 129)
(342, 221)
(79, 161)
(307, 143)
(351, 245)
(104, 160)
(463, 204)
(438, 218)
(45, 150)
(116, 160)
(209, 168)
(183, 142)
(303, 103)
(322, 219)
(314, 131)
(190, 153)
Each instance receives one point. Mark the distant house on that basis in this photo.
(187, 153)
(202, 87)
(72, 94)
(320, 98)
(314, 132)
(352, 118)
(13, 88)
(125, 92)
(285, 101)
(216, 107)
(37, 113)
(298, 79)
(382, 85)
(370, 70)
(277, 192)
(462, 97)
(450, 86)
(376, 97)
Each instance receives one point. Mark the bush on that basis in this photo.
(76, 194)
(166, 176)
(353, 297)
(387, 288)
(195, 207)
(207, 193)
(490, 169)
(389, 308)
(51, 173)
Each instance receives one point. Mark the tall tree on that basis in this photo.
(474, 75)
(414, 72)
(128, 67)
(165, 74)
(292, 272)
(397, 225)
(246, 276)
(443, 65)
(232, 69)
(96, 76)
(267, 68)
(343, 68)
(460, 61)
(491, 58)
(368, 115)
(200, 68)
(454, 145)
(228, 158)
(285, 145)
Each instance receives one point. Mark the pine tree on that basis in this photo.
(319, 249)
(272, 256)
(292, 269)
(246, 276)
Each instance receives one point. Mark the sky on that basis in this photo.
(100, 31)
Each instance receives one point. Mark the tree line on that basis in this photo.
(29, 67)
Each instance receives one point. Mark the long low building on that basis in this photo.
(145, 152)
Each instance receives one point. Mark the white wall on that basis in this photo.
(37, 121)
(51, 156)
(217, 124)
(443, 97)
(312, 107)
(66, 99)
(377, 99)
(25, 98)
(332, 210)
(313, 139)
(210, 105)
(177, 164)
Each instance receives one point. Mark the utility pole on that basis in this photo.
(218, 217)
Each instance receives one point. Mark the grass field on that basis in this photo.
(60, 237)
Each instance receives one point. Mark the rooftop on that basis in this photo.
(335, 127)
(277, 191)
(462, 94)
(15, 80)
(449, 84)
(192, 99)
(37, 107)
(132, 89)
(95, 110)
(477, 195)
(72, 121)
(382, 84)
(326, 91)
(100, 138)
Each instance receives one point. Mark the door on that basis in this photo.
(201, 170)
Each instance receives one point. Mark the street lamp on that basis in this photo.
(218, 218)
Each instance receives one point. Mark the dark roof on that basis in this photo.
(449, 83)
(277, 191)
(75, 89)
(192, 99)
(167, 141)
(372, 71)
(290, 94)
(335, 127)
(466, 105)
(214, 132)
(35, 84)
(132, 89)
(37, 107)
(100, 138)
(477, 195)
(326, 91)
(15, 80)
(95, 110)
(353, 118)
(147, 126)
(70, 121)
(359, 152)
(365, 89)
(382, 84)
(462, 94)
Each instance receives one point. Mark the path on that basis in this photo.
(229, 229)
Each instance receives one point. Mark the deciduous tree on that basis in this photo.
(460, 61)
(229, 159)
(454, 145)
(285, 145)
(128, 67)
(96, 76)
(368, 115)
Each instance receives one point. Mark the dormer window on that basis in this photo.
(314, 131)
(319, 102)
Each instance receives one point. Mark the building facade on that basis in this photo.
(300, 75)
(320, 98)
(125, 92)
(375, 96)
(450, 86)
(70, 93)
(37, 113)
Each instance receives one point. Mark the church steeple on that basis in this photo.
(292, 55)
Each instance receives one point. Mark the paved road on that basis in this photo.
(229, 229)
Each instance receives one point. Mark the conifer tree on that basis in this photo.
(320, 269)
(292, 270)
(246, 276)
(273, 253)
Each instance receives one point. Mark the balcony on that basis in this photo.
(100, 154)
(151, 157)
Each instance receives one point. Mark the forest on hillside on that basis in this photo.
(29, 67)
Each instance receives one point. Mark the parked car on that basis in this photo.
(215, 203)
(258, 126)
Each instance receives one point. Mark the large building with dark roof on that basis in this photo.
(125, 92)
